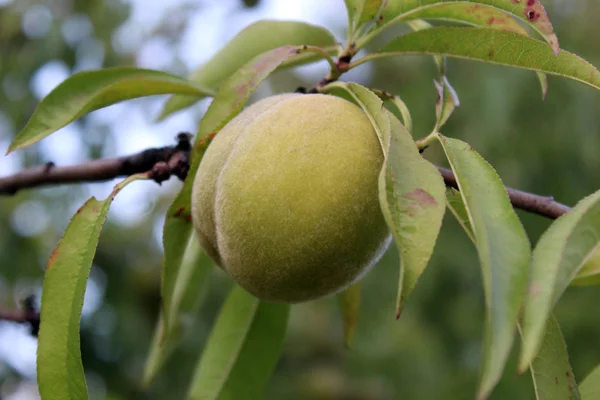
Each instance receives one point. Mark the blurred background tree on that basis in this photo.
(549, 147)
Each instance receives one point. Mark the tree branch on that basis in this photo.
(29, 315)
(542, 205)
(163, 162)
(174, 160)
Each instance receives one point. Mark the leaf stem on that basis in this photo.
(426, 141)
(320, 51)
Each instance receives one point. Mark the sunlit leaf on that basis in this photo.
(411, 191)
(493, 46)
(349, 301)
(87, 91)
(590, 386)
(59, 369)
(559, 255)
(242, 350)
(530, 11)
(254, 40)
(190, 289)
(504, 253)
(228, 102)
(551, 370)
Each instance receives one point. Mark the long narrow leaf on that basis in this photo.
(469, 13)
(254, 40)
(559, 255)
(493, 46)
(190, 289)
(411, 191)
(457, 206)
(59, 367)
(504, 253)
(242, 349)
(530, 11)
(87, 91)
(551, 370)
(227, 103)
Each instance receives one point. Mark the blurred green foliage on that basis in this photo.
(549, 146)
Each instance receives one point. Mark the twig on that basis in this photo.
(174, 160)
(163, 162)
(542, 205)
(29, 315)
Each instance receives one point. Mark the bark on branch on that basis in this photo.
(174, 160)
(28, 315)
(163, 162)
(542, 205)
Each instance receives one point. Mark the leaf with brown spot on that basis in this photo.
(413, 204)
(509, 49)
(59, 369)
(551, 370)
(470, 11)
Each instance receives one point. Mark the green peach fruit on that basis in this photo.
(285, 199)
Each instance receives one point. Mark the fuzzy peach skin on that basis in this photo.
(285, 199)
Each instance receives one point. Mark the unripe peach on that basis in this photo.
(286, 197)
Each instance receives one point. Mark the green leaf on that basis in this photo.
(551, 370)
(349, 301)
(87, 91)
(228, 102)
(530, 11)
(400, 105)
(590, 387)
(242, 350)
(191, 286)
(559, 255)
(469, 13)
(492, 46)
(411, 191)
(59, 369)
(177, 231)
(457, 206)
(447, 101)
(504, 253)
(254, 40)
(589, 274)
(499, 23)
(361, 11)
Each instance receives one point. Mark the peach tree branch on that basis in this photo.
(163, 162)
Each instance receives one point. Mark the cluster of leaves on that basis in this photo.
(521, 285)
